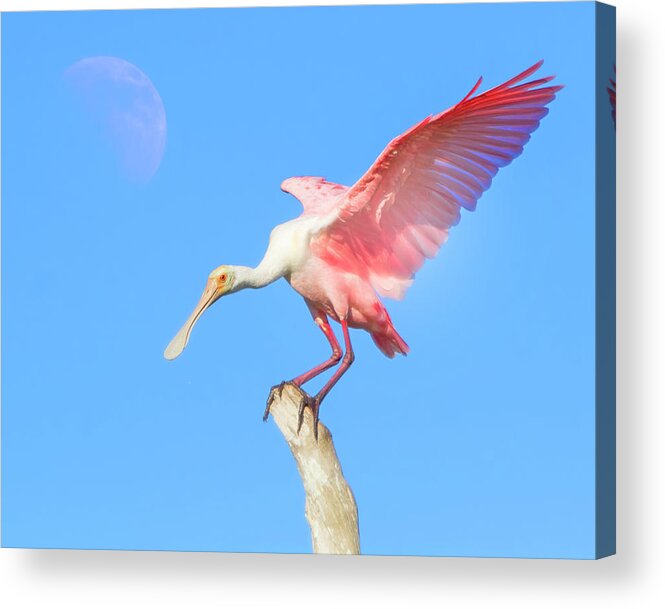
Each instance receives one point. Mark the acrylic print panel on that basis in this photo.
(142, 157)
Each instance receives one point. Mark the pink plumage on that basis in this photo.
(612, 92)
(398, 214)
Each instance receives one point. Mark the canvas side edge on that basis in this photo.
(605, 181)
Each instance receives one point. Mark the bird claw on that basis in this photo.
(306, 401)
(275, 389)
(314, 404)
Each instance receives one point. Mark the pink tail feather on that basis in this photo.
(390, 342)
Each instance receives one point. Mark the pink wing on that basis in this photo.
(318, 197)
(399, 212)
(612, 91)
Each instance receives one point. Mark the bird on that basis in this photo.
(353, 246)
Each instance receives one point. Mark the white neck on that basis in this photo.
(261, 276)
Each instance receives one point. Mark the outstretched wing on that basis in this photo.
(318, 196)
(612, 92)
(399, 212)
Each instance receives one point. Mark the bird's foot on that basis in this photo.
(306, 401)
(274, 390)
(314, 404)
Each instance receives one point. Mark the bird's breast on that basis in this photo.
(290, 243)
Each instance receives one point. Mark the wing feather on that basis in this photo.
(398, 213)
(317, 195)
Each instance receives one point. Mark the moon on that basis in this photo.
(128, 107)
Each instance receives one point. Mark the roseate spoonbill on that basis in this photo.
(352, 245)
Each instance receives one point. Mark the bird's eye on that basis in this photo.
(223, 278)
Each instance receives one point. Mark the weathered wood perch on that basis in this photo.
(330, 506)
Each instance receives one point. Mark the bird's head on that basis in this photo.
(220, 282)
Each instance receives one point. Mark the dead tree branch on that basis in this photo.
(330, 506)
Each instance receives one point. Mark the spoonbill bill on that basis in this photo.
(353, 245)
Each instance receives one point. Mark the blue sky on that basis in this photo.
(479, 443)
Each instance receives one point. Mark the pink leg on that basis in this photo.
(321, 320)
(346, 363)
(314, 403)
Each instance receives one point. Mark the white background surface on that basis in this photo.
(633, 578)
